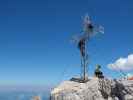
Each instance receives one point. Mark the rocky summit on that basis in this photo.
(94, 89)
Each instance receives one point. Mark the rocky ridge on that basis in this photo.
(94, 89)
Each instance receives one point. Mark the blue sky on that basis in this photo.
(35, 35)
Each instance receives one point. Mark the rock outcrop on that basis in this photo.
(94, 89)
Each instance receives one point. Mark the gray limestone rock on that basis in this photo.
(94, 89)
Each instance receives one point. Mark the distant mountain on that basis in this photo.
(35, 88)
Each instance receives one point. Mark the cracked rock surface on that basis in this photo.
(94, 89)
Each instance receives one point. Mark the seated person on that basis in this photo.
(98, 72)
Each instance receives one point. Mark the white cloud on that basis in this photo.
(124, 64)
(129, 75)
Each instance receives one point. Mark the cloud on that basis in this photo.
(124, 64)
(129, 75)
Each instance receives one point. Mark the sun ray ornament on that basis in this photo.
(89, 30)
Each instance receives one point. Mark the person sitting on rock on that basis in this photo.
(98, 73)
